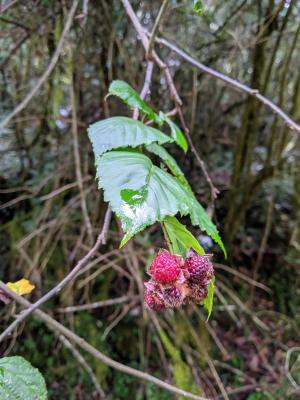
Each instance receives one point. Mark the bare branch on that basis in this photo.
(142, 34)
(68, 278)
(3, 9)
(157, 22)
(97, 304)
(83, 363)
(146, 86)
(232, 82)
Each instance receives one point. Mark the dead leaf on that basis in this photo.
(21, 287)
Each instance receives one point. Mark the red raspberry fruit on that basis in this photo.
(166, 267)
(200, 269)
(153, 301)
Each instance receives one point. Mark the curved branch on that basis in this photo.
(157, 22)
(232, 82)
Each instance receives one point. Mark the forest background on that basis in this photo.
(57, 60)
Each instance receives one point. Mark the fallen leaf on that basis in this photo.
(21, 287)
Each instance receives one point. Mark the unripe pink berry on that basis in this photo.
(198, 293)
(199, 268)
(153, 301)
(173, 296)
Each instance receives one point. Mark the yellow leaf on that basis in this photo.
(21, 287)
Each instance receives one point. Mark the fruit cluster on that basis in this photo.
(175, 281)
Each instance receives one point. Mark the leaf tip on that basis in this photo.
(125, 239)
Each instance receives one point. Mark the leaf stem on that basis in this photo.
(167, 237)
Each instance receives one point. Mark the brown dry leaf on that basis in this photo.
(21, 287)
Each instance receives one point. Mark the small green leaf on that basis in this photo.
(19, 380)
(198, 8)
(180, 238)
(208, 302)
(117, 132)
(131, 98)
(176, 133)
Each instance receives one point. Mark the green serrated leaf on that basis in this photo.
(132, 98)
(128, 173)
(198, 8)
(169, 160)
(141, 194)
(199, 217)
(208, 302)
(180, 238)
(20, 380)
(117, 132)
(176, 133)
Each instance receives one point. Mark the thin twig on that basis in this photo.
(58, 328)
(67, 279)
(194, 100)
(13, 51)
(97, 304)
(83, 202)
(265, 237)
(83, 363)
(144, 39)
(231, 82)
(213, 190)
(288, 369)
(204, 352)
(242, 389)
(244, 308)
(243, 276)
(62, 189)
(5, 8)
(48, 71)
(157, 22)
(115, 322)
(146, 86)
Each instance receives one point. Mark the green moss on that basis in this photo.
(183, 377)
